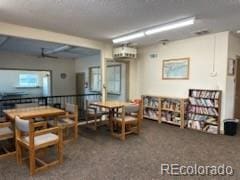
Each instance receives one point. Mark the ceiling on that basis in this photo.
(34, 48)
(105, 19)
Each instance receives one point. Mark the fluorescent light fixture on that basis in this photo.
(129, 37)
(170, 26)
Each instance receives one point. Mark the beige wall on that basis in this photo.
(57, 66)
(148, 72)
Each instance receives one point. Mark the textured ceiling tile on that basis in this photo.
(105, 19)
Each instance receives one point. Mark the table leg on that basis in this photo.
(111, 113)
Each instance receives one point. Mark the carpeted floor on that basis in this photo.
(96, 155)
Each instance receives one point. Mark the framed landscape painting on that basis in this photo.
(176, 69)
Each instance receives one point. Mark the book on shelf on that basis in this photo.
(203, 111)
(151, 102)
(169, 104)
(210, 94)
(170, 117)
(151, 114)
(204, 102)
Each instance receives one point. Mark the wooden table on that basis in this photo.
(111, 106)
(33, 112)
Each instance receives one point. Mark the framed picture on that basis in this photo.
(231, 67)
(176, 69)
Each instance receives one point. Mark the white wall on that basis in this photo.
(9, 82)
(57, 66)
(233, 52)
(201, 52)
(83, 64)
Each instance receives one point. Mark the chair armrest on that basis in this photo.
(45, 131)
(5, 124)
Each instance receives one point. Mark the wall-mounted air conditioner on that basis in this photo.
(125, 53)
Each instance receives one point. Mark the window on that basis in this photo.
(28, 80)
(113, 79)
(95, 78)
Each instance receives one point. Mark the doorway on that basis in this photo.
(80, 83)
(237, 90)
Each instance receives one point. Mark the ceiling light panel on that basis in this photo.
(129, 37)
(171, 26)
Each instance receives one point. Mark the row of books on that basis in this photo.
(151, 101)
(197, 117)
(204, 102)
(170, 116)
(151, 114)
(173, 105)
(199, 125)
(205, 94)
(203, 110)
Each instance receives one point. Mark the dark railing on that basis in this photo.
(55, 101)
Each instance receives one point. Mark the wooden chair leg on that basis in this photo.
(19, 153)
(60, 148)
(76, 131)
(32, 161)
(123, 131)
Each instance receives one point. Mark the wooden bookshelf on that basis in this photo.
(204, 110)
(165, 109)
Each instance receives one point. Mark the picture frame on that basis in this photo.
(176, 69)
(231, 67)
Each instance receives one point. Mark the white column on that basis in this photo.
(104, 73)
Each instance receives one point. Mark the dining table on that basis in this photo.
(33, 112)
(111, 106)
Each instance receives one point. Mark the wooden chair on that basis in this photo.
(39, 121)
(34, 141)
(68, 121)
(127, 121)
(6, 134)
(94, 116)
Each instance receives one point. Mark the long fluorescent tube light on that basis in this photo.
(129, 37)
(170, 26)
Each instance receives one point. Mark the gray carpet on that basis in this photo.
(97, 155)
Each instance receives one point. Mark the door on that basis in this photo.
(237, 91)
(80, 83)
(46, 86)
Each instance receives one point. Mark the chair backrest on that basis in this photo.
(21, 124)
(26, 105)
(71, 108)
(132, 108)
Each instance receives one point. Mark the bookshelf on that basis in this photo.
(204, 110)
(151, 107)
(165, 109)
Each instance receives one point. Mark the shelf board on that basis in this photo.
(201, 130)
(202, 114)
(204, 98)
(148, 117)
(171, 122)
(171, 110)
(150, 107)
(203, 106)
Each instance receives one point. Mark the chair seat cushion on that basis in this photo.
(5, 131)
(98, 112)
(42, 139)
(66, 121)
(127, 119)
